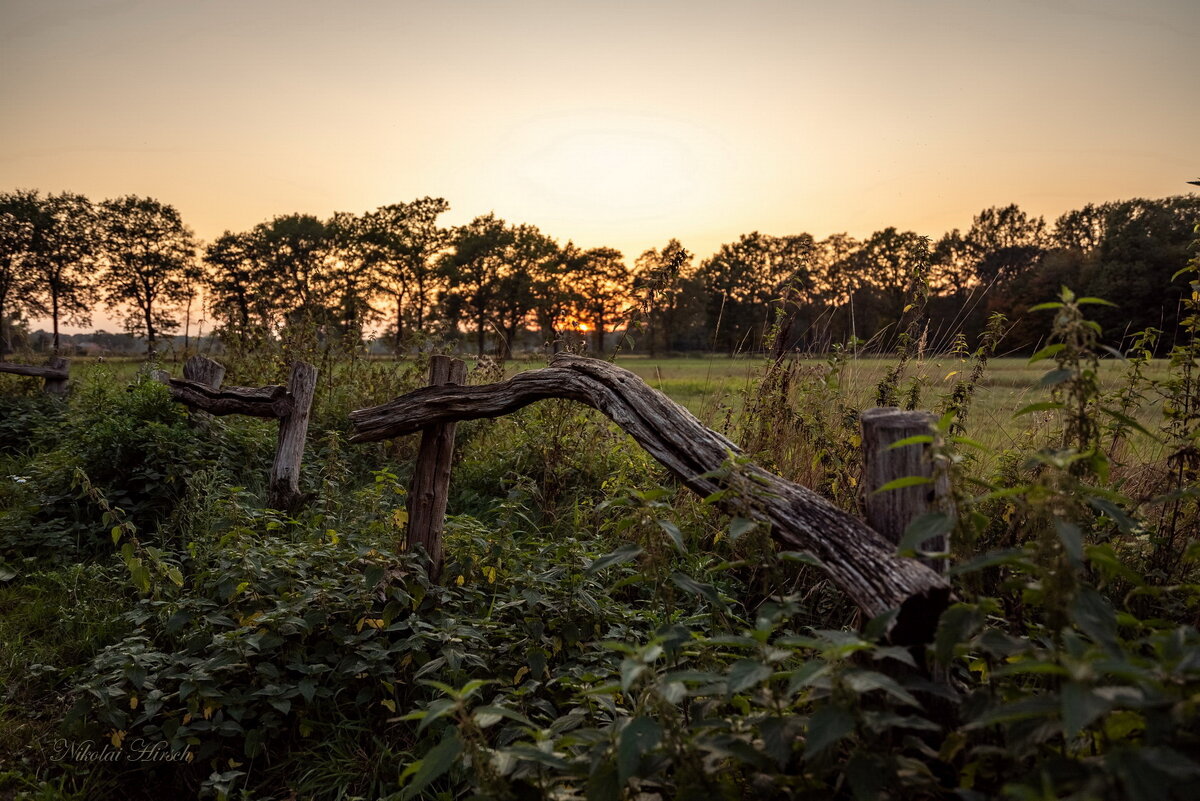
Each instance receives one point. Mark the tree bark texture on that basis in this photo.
(861, 562)
(431, 477)
(272, 401)
(204, 370)
(284, 484)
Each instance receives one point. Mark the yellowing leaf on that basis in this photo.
(490, 573)
(187, 718)
(208, 712)
(116, 738)
(856, 440)
(390, 704)
(133, 702)
(233, 763)
(400, 517)
(950, 375)
(520, 674)
(461, 580)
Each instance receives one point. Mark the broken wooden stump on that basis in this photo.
(431, 476)
(55, 374)
(889, 512)
(204, 370)
(858, 560)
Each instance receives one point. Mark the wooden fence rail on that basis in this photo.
(55, 373)
(860, 561)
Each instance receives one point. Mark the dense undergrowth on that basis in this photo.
(599, 633)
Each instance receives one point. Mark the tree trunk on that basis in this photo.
(598, 335)
(54, 317)
(481, 334)
(149, 333)
(857, 558)
(399, 324)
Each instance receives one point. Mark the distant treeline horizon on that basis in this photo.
(491, 287)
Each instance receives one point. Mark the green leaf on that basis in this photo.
(1043, 406)
(1008, 556)
(434, 764)
(1047, 352)
(690, 585)
(674, 533)
(739, 526)
(925, 527)
(1093, 614)
(1129, 421)
(1056, 377)
(626, 553)
(916, 439)
(745, 673)
(956, 624)
(486, 716)
(906, 481)
(637, 738)
(1095, 302)
(1044, 306)
(800, 556)
(1071, 538)
(1080, 707)
(374, 574)
(864, 681)
(828, 725)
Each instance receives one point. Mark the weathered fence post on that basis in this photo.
(284, 484)
(431, 476)
(204, 370)
(57, 385)
(890, 512)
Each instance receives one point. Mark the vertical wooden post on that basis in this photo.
(57, 386)
(284, 485)
(431, 476)
(204, 370)
(890, 512)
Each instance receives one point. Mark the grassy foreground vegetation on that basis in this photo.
(600, 633)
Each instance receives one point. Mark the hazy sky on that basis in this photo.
(610, 123)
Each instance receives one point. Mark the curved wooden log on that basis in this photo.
(271, 401)
(857, 558)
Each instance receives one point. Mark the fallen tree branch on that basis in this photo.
(857, 558)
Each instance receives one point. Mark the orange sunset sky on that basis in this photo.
(609, 123)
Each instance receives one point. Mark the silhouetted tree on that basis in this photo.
(63, 259)
(603, 285)
(18, 215)
(150, 262)
(401, 243)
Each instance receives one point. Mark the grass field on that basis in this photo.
(712, 387)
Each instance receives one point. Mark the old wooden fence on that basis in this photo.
(861, 561)
(859, 556)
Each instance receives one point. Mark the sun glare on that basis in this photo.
(613, 167)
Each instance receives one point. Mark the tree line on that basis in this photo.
(495, 285)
